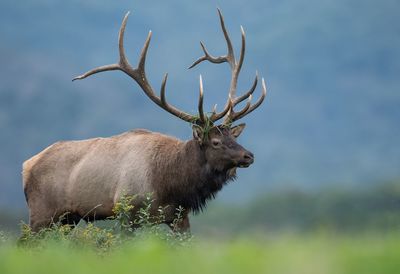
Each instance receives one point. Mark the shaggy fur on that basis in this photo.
(190, 180)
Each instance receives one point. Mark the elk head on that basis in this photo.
(218, 142)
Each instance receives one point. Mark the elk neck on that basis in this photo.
(186, 179)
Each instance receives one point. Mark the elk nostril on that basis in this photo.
(249, 156)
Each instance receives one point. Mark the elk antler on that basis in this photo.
(139, 75)
(228, 112)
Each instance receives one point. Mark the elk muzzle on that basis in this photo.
(247, 159)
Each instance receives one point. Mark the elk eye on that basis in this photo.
(216, 142)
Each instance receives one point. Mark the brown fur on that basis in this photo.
(84, 179)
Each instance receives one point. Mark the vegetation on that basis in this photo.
(104, 237)
(351, 210)
(114, 247)
(317, 253)
(2, 237)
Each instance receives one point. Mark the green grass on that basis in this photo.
(311, 253)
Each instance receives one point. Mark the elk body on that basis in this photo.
(84, 179)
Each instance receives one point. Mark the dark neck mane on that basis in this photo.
(188, 181)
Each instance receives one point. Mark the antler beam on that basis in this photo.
(139, 75)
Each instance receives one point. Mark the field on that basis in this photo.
(290, 253)
(354, 233)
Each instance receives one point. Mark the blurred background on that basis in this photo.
(326, 139)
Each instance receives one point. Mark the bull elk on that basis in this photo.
(84, 179)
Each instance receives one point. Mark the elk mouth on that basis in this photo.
(244, 165)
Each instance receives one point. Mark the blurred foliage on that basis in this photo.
(10, 219)
(319, 253)
(340, 210)
(3, 237)
(351, 210)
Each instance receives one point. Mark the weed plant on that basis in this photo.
(126, 228)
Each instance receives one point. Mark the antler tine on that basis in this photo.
(247, 94)
(238, 66)
(143, 54)
(230, 57)
(242, 49)
(122, 58)
(216, 116)
(214, 110)
(208, 57)
(232, 115)
(123, 62)
(97, 70)
(200, 106)
(162, 91)
(255, 105)
(139, 75)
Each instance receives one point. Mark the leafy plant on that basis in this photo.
(123, 214)
(127, 227)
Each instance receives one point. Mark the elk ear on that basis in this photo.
(197, 133)
(237, 130)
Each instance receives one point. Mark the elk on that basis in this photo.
(84, 179)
